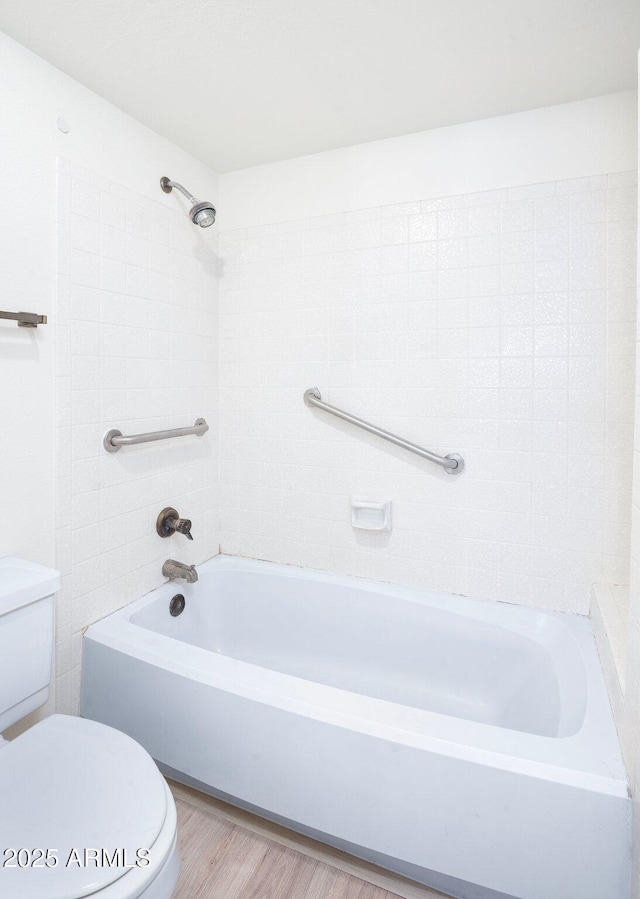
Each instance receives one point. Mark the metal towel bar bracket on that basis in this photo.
(25, 319)
(113, 440)
(452, 463)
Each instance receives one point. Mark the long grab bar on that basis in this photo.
(113, 440)
(452, 464)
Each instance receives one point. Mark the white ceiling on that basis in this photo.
(243, 82)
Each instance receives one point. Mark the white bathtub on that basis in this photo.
(466, 744)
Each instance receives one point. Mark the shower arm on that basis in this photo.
(167, 186)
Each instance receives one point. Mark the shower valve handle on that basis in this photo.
(183, 526)
(169, 522)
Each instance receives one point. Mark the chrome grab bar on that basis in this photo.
(452, 464)
(113, 440)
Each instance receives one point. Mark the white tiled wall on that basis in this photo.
(630, 731)
(136, 349)
(497, 325)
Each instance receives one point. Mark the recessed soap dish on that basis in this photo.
(367, 515)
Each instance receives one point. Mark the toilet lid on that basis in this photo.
(73, 784)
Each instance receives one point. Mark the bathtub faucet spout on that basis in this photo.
(173, 569)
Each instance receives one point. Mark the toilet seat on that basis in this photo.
(73, 784)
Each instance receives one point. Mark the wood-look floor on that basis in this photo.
(229, 854)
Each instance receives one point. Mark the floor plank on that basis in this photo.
(227, 853)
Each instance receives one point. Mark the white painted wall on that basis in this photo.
(32, 95)
(573, 140)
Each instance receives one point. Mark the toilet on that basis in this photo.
(84, 810)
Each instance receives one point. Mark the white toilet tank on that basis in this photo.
(26, 636)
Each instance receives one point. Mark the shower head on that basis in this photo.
(201, 213)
